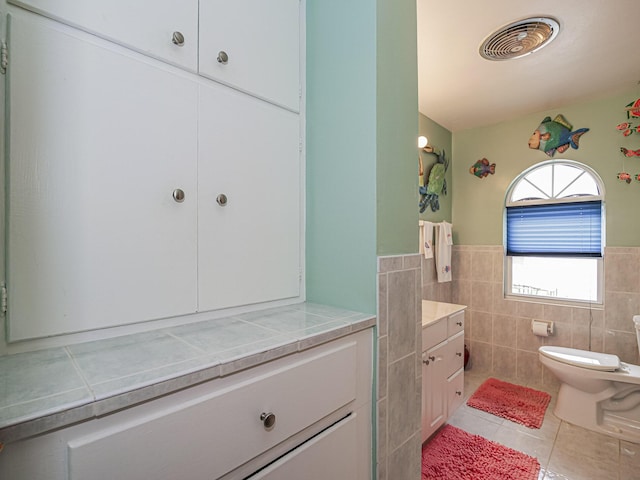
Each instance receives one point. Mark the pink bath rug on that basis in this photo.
(454, 454)
(514, 402)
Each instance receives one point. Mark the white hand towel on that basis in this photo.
(426, 239)
(443, 252)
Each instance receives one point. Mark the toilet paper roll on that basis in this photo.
(540, 329)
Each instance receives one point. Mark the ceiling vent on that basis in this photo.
(519, 38)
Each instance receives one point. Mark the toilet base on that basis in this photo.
(614, 411)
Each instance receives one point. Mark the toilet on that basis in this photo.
(597, 390)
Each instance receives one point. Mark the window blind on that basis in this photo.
(560, 229)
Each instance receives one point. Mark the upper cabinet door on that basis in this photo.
(98, 143)
(164, 29)
(254, 46)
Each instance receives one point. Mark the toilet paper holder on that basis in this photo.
(542, 328)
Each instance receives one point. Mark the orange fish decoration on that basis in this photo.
(624, 176)
(627, 128)
(630, 153)
(633, 109)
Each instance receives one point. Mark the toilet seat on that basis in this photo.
(582, 358)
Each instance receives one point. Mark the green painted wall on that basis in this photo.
(341, 153)
(478, 203)
(397, 128)
(440, 139)
(362, 124)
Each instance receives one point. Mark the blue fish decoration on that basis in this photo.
(555, 136)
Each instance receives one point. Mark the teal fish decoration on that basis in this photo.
(555, 136)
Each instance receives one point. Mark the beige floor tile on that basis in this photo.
(524, 442)
(565, 452)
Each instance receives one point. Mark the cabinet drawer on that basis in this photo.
(328, 455)
(433, 334)
(455, 353)
(215, 432)
(456, 323)
(257, 53)
(147, 27)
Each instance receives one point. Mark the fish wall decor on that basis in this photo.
(627, 128)
(630, 153)
(555, 135)
(482, 168)
(633, 109)
(434, 184)
(624, 177)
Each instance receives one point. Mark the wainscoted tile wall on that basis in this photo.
(498, 331)
(399, 368)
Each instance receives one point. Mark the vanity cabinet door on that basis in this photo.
(254, 46)
(434, 390)
(249, 200)
(98, 141)
(145, 26)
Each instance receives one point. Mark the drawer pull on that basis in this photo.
(178, 195)
(459, 393)
(223, 58)
(428, 360)
(268, 420)
(459, 354)
(459, 324)
(178, 39)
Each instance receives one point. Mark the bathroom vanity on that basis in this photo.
(442, 363)
(279, 394)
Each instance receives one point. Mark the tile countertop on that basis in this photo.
(434, 311)
(49, 389)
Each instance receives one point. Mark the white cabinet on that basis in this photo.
(320, 400)
(136, 190)
(250, 45)
(434, 395)
(147, 27)
(248, 247)
(97, 143)
(442, 370)
(253, 45)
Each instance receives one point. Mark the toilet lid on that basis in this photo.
(582, 358)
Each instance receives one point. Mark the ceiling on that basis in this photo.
(596, 54)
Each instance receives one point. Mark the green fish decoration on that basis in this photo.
(436, 184)
(555, 136)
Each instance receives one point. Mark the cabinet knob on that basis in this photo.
(222, 200)
(223, 58)
(459, 354)
(429, 359)
(459, 324)
(178, 195)
(268, 420)
(459, 393)
(178, 39)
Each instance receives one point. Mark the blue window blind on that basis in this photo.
(560, 229)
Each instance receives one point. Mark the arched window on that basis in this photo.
(554, 233)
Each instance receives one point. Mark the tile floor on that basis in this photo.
(565, 452)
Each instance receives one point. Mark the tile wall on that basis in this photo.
(498, 331)
(399, 369)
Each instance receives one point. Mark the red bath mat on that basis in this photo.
(454, 454)
(513, 402)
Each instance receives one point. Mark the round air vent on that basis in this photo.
(519, 38)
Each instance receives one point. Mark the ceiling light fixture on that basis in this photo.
(519, 38)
